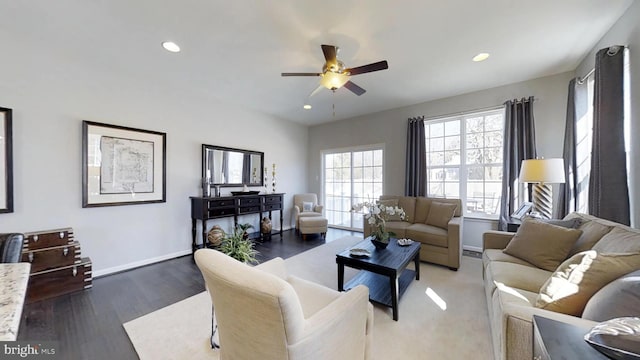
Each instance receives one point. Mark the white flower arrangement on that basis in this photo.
(377, 216)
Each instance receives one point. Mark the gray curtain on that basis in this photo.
(416, 161)
(519, 144)
(577, 107)
(608, 189)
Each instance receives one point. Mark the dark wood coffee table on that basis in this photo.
(384, 272)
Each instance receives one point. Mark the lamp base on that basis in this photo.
(543, 200)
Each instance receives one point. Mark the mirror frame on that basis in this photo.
(206, 147)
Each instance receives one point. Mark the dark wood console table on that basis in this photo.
(206, 208)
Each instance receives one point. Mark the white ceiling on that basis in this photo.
(234, 51)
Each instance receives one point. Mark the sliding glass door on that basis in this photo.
(350, 177)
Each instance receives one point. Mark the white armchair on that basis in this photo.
(264, 314)
(299, 210)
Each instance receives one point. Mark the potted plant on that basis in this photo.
(244, 227)
(239, 247)
(376, 215)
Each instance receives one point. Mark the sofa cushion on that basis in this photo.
(491, 255)
(619, 240)
(428, 234)
(516, 276)
(423, 205)
(440, 214)
(398, 227)
(543, 245)
(592, 231)
(582, 275)
(408, 203)
(568, 223)
(619, 298)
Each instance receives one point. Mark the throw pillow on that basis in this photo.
(569, 224)
(575, 281)
(392, 203)
(619, 298)
(541, 244)
(440, 214)
(592, 232)
(307, 206)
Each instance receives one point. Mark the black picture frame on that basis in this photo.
(136, 172)
(6, 157)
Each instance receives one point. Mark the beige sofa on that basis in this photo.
(512, 285)
(439, 246)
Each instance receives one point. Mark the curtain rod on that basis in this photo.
(496, 107)
(581, 80)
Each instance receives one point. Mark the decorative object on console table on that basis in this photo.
(122, 165)
(6, 158)
(273, 182)
(542, 172)
(57, 267)
(266, 181)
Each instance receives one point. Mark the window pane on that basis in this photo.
(436, 174)
(493, 122)
(436, 159)
(474, 156)
(452, 127)
(452, 157)
(493, 155)
(475, 125)
(377, 158)
(436, 189)
(493, 138)
(452, 142)
(357, 159)
(436, 144)
(475, 140)
(493, 173)
(377, 173)
(475, 173)
(436, 129)
(453, 174)
(452, 190)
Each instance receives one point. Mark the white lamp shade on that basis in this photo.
(550, 171)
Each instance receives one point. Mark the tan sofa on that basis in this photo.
(512, 285)
(439, 246)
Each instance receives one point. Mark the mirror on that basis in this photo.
(232, 167)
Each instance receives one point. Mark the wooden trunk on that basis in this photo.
(62, 280)
(52, 257)
(45, 239)
(57, 267)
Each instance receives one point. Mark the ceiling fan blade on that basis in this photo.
(317, 90)
(354, 88)
(301, 74)
(329, 52)
(377, 66)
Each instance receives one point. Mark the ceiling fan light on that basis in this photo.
(332, 80)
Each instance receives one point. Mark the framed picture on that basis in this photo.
(6, 161)
(524, 208)
(122, 165)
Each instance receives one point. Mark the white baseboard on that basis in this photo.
(472, 248)
(140, 263)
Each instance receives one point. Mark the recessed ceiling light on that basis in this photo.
(307, 107)
(481, 57)
(171, 46)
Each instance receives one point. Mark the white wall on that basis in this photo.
(390, 128)
(626, 31)
(51, 94)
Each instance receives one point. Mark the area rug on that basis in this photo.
(441, 316)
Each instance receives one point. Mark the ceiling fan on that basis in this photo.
(334, 75)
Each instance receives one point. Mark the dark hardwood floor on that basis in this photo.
(88, 324)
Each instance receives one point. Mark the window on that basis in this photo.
(350, 177)
(464, 160)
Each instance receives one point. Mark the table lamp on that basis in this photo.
(542, 172)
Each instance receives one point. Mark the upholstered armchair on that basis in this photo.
(312, 207)
(11, 247)
(263, 313)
